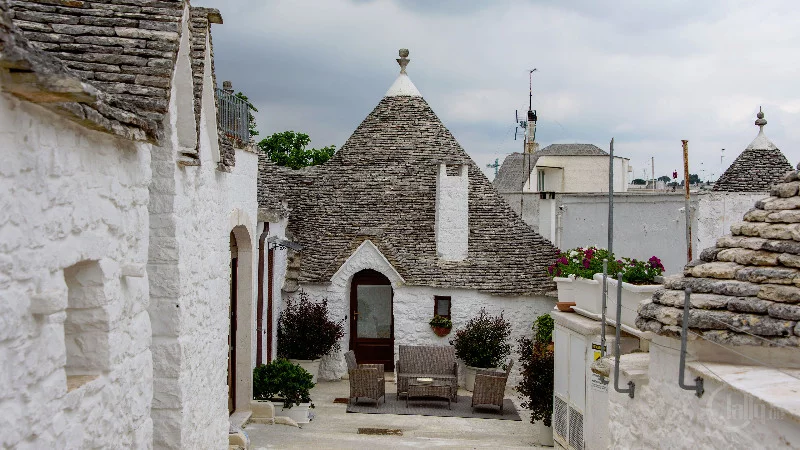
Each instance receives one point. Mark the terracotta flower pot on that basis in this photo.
(565, 306)
(441, 331)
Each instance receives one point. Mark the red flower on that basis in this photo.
(585, 263)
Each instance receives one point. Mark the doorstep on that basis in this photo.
(240, 418)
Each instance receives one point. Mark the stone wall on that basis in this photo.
(717, 211)
(413, 309)
(662, 415)
(73, 286)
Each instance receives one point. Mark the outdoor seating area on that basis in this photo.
(426, 373)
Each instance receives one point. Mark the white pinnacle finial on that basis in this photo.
(761, 141)
(403, 87)
(760, 121)
(403, 59)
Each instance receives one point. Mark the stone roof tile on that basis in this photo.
(381, 185)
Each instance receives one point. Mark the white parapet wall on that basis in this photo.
(74, 329)
(743, 406)
(452, 213)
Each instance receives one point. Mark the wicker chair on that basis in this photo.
(366, 380)
(490, 387)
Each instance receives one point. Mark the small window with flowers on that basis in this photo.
(441, 306)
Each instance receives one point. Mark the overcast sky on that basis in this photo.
(646, 73)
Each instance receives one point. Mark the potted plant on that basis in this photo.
(538, 369)
(638, 283)
(285, 384)
(482, 343)
(579, 275)
(306, 333)
(441, 325)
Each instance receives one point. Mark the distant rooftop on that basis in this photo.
(511, 176)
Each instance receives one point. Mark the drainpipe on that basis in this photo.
(260, 302)
(270, 307)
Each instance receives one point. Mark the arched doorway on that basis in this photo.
(241, 323)
(372, 318)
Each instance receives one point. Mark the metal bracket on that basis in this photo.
(631, 385)
(698, 382)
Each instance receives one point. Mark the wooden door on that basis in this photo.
(372, 319)
(232, 339)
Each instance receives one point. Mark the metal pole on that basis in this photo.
(653, 171)
(611, 198)
(698, 386)
(603, 310)
(618, 325)
(688, 211)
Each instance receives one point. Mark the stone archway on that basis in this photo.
(240, 337)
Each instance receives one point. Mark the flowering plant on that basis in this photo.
(585, 262)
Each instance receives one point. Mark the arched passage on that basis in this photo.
(372, 318)
(240, 336)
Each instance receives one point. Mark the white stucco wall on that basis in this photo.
(718, 211)
(193, 211)
(578, 174)
(662, 415)
(71, 195)
(413, 309)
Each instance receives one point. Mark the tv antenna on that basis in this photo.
(528, 125)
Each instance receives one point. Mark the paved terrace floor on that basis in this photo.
(334, 428)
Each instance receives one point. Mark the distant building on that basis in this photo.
(561, 168)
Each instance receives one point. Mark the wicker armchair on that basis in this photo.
(366, 380)
(490, 387)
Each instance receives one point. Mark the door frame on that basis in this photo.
(373, 278)
(232, 336)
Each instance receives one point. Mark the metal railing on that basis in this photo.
(232, 116)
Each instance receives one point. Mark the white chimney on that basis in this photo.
(452, 213)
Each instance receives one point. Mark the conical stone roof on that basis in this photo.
(757, 168)
(381, 186)
(746, 290)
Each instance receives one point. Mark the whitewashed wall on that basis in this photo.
(662, 415)
(579, 174)
(413, 309)
(193, 211)
(717, 211)
(69, 196)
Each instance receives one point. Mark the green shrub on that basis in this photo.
(305, 331)
(283, 381)
(483, 342)
(543, 329)
(442, 322)
(536, 386)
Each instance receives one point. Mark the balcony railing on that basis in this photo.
(232, 118)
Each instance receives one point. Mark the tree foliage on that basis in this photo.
(288, 148)
(639, 181)
(664, 178)
(483, 342)
(305, 330)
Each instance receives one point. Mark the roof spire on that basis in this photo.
(403, 87)
(760, 121)
(403, 59)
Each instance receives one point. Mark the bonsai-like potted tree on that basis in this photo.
(285, 384)
(441, 325)
(306, 333)
(538, 369)
(482, 343)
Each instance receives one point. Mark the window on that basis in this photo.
(86, 324)
(441, 306)
(540, 180)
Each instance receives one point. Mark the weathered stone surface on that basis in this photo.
(772, 275)
(753, 243)
(785, 189)
(780, 246)
(756, 215)
(788, 216)
(735, 288)
(789, 260)
(723, 270)
(709, 254)
(784, 311)
(783, 294)
(735, 339)
(748, 257)
(790, 176)
(700, 301)
(774, 203)
(745, 323)
(749, 305)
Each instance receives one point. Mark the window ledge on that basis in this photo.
(76, 381)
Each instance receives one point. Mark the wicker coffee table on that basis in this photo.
(433, 390)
